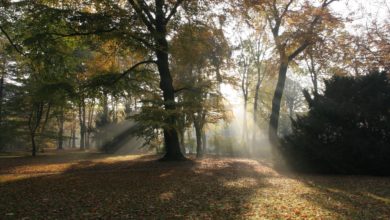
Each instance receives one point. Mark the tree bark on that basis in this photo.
(199, 144)
(82, 123)
(61, 129)
(313, 72)
(182, 145)
(256, 105)
(276, 101)
(73, 138)
(245, 123)
(33, 144)
(43, 128)
(91, 114)
(204, 141)
(171, 139)
(1, 97)
(33, 124)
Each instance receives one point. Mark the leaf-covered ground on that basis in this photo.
(91, 186)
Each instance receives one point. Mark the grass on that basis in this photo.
(88, 186)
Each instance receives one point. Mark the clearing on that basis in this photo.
(76, 185)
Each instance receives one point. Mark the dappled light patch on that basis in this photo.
(167, 196)
(241, 183)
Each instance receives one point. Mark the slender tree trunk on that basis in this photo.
(182, 145)
(198, 134)
(105, 108)
(276, 101)
(91, 113)
(313, 73)
(1, 97)
(33, 124)
(61, 129)
(82, 123)
(34, 146)
(315, 83)
(43, 128)
(74, 138)
(204, 141)
(70, 140)
(171, 139)
(256, 106)
(245, 123)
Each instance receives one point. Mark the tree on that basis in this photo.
(199, 52)
(294, 26)
(347, 129)
(156, 18)
(244, 64)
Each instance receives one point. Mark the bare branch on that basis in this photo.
(140, 13)
(173, 11)
(145, 8)
(286, 9)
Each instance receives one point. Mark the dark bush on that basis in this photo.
(347, 129)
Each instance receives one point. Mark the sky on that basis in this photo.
(363, 10)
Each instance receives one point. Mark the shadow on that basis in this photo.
(137, 189)
(351, 197)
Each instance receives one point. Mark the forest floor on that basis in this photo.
(76, 185)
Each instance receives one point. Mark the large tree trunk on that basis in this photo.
(172, 146)
(276, 101)
(171, 139)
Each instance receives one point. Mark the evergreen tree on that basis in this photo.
(347, 129)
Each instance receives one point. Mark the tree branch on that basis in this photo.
(11, 41)
(135, 66)
(173, 11)
(306, 43)
(190, 89)
(140, 13)
(146, 10)
(75, 34)
(299, 50)
(286, 9)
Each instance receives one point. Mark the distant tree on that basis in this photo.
(347, 129)
(294, 25)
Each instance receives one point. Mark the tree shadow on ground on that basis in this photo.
(352, 197)
(141, 189)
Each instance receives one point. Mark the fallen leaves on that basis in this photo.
(211, 188)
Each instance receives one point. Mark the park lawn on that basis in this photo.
(89, 185)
